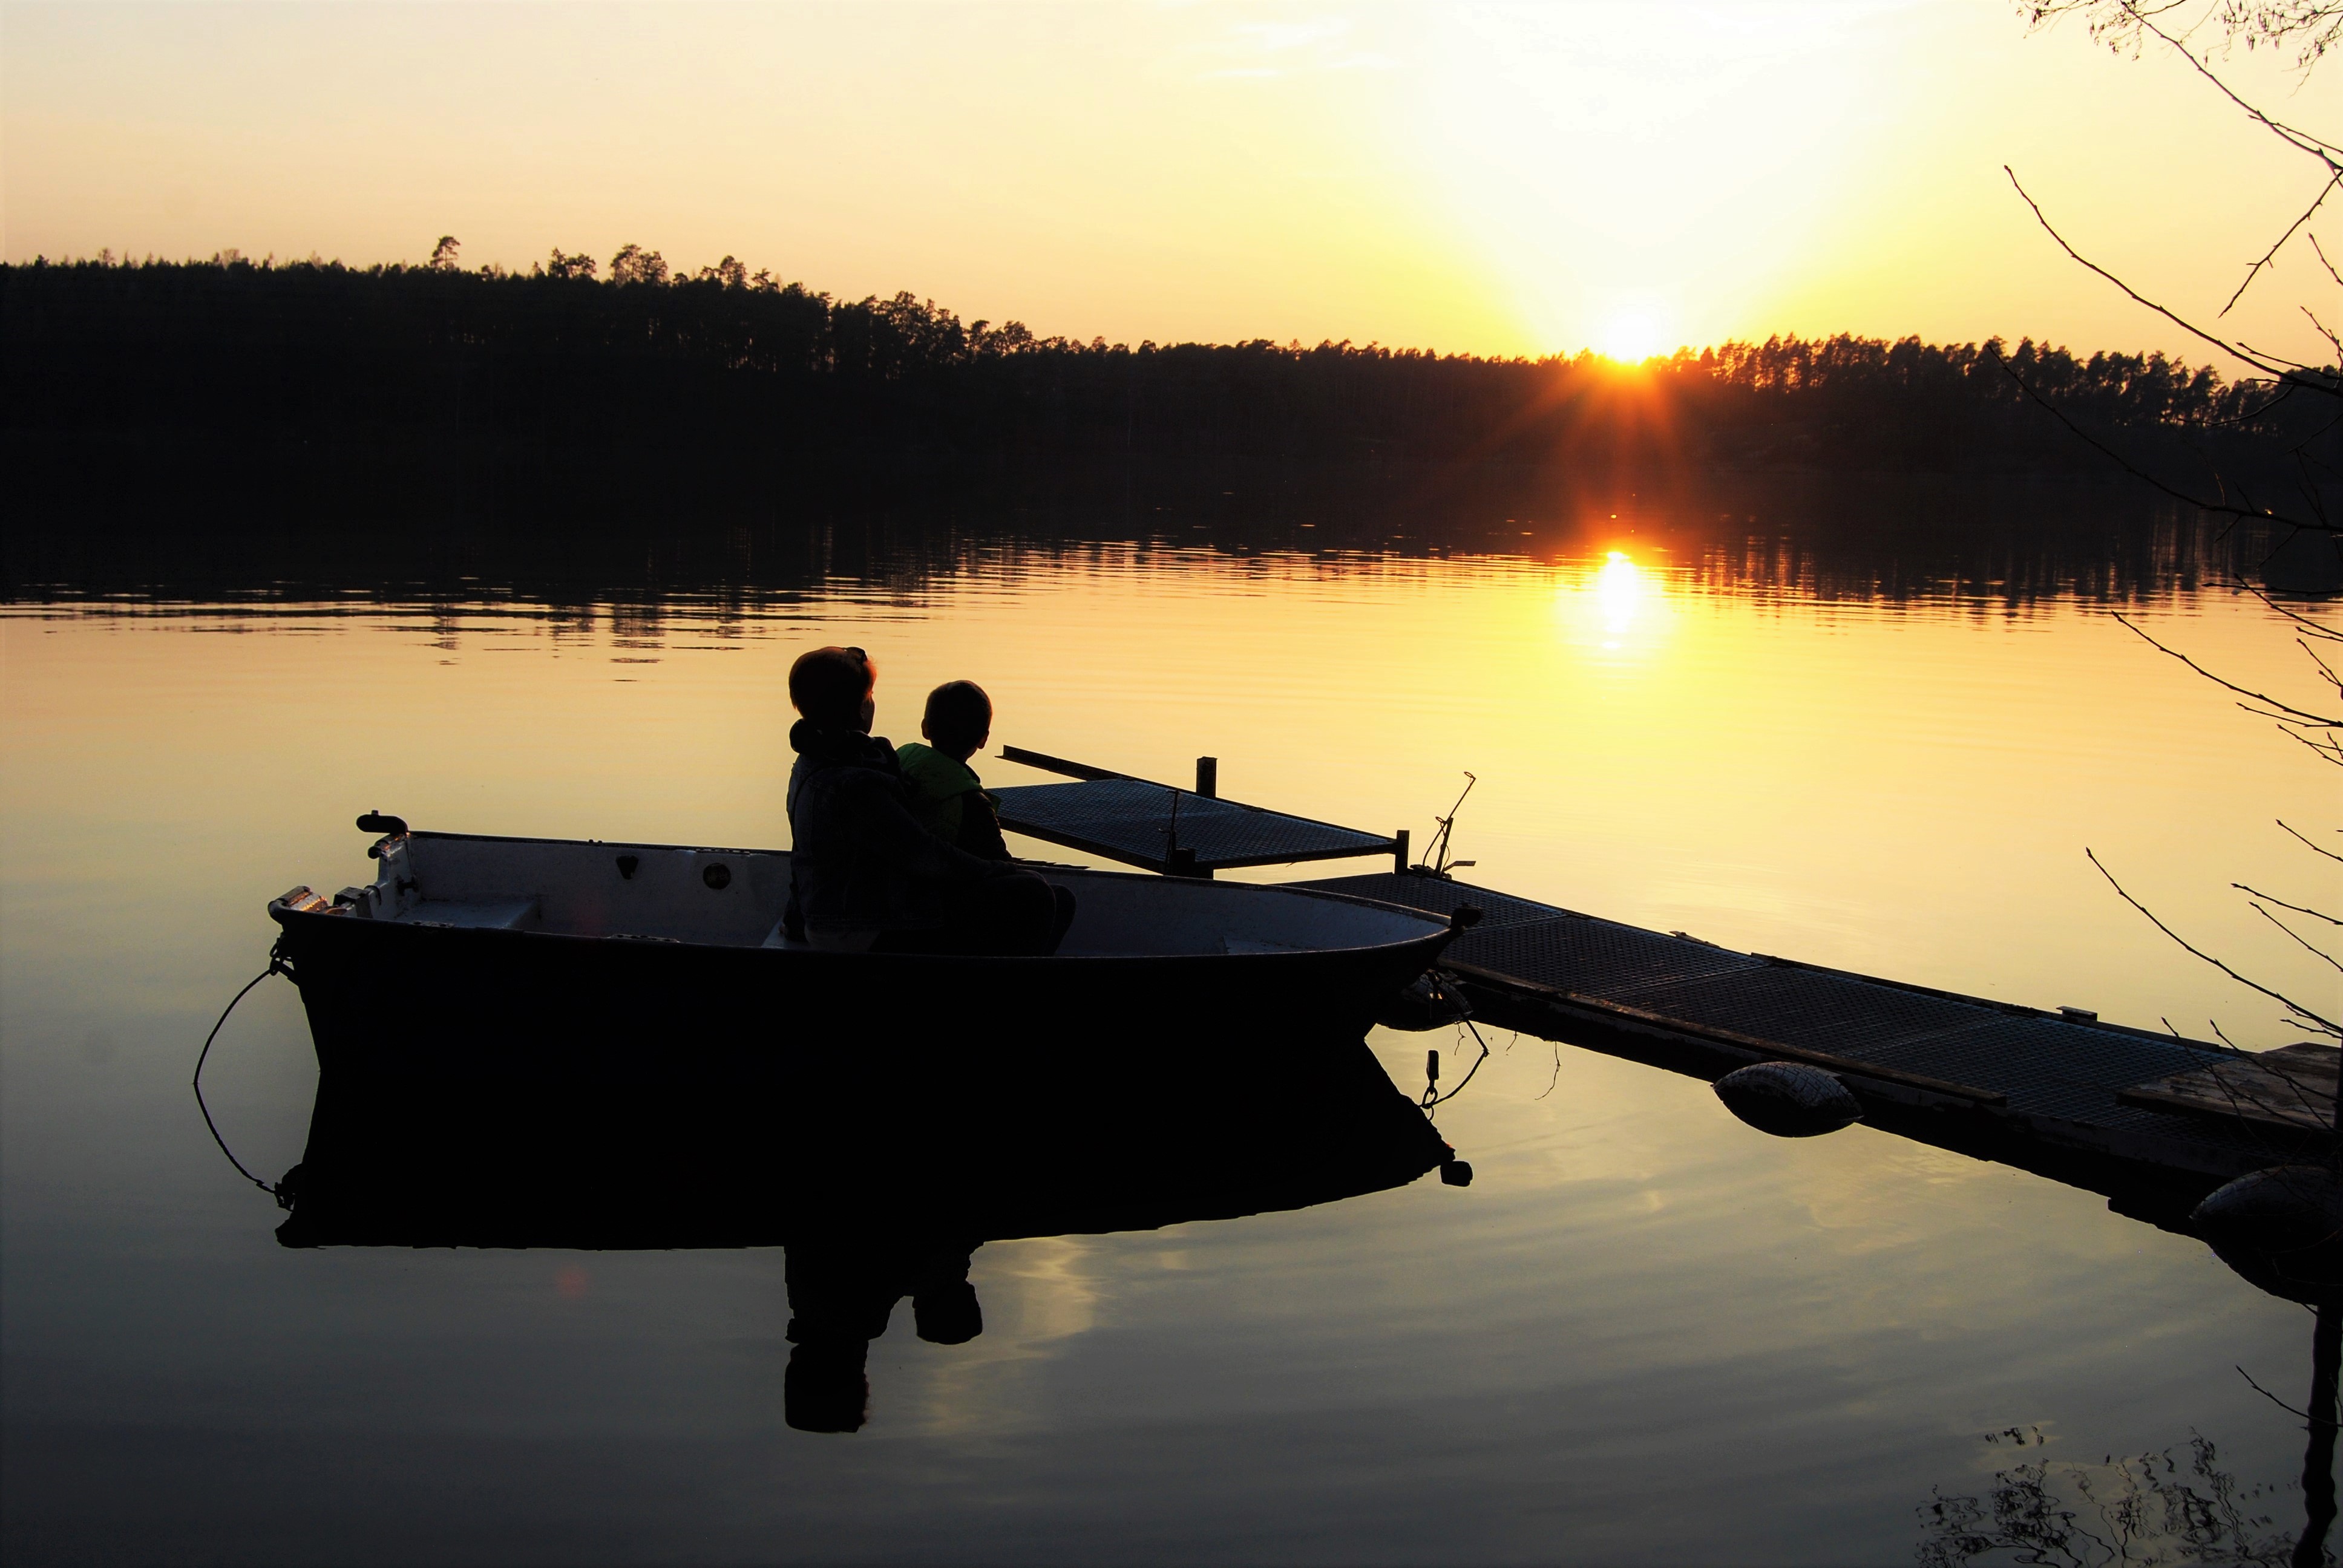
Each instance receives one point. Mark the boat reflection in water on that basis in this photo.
(874, 1202)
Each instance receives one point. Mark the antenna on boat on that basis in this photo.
(1435, 854)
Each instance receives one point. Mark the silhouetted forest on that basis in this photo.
(340, 359)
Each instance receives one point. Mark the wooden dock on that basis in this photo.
(2093, 1104)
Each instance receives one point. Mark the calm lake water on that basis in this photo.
(1875, 739)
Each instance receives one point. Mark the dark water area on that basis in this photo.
(1192, 1305)
(201, 521)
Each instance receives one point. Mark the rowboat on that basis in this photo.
(569, 958)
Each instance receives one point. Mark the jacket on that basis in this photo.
(860, 862)
(950, 800)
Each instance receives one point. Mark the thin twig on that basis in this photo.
(2307, 843)
(2329, 265)
(2281, 903)
(2319, 659)
(2186, 946)
(2315, 628)
(2324, 192)
(2327, 748)
(2259, 514)
(2289, 1409)
(2301, 141)
(2281, 925)
(2324, 330)
(2131, 293)
(2287, 710)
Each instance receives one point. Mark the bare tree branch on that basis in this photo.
(2281, 903)
(2276, 1401)
(2301, 141)
(2233, 350)
(2329, 265)
(2254, 271)
(2285, 1002)
(2219, 509)
(2307, 844)
(2327, 746)
(2314, 628)
(2286, 711)
(2324, 330)
(2327, 957)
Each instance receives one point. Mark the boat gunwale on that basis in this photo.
(1438, 929)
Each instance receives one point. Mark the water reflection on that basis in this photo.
(873, 1205)
(2167, 1506)
(1990, 546)
(2157, 1507)
(1882, 724)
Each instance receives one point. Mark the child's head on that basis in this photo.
(958, 718)
(832, 686)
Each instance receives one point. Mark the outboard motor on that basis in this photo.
(1788, 1099)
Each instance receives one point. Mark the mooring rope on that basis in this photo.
(1432, 1096)
(278, 965)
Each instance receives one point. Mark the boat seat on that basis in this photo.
(497, 914)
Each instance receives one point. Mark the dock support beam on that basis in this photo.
(1208, 778)
(1398, 852)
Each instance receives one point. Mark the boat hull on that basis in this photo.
(389, 998)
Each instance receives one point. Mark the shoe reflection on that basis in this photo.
(840, 1297)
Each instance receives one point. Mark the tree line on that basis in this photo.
(571, 354)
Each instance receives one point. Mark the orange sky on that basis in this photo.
(1493, 179)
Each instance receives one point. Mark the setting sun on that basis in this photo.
(1632, 336)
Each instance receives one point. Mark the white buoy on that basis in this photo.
(1788, 1099)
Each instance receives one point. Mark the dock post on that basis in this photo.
(1208, 778)
(1398, 852)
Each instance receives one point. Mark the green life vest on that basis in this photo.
(938, 785)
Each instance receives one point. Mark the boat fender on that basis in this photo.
(1464, 918)
(1788, 1099)
(626, 864)
(2291, 1216)
(1455, 1172)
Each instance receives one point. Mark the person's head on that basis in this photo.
(832, 687)
(958, 718)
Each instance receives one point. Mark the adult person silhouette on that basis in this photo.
(866, 876)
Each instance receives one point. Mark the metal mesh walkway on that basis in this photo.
(1163, 829)
(2039, 1068)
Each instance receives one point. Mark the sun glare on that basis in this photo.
(1632, 336)
(1612, 605)
(1619, 589)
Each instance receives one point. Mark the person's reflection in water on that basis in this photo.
(841, 1293)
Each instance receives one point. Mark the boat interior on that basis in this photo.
(735, 897)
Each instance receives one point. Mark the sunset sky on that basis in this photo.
(1493, 179)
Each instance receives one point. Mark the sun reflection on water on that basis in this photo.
(1613, 605)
